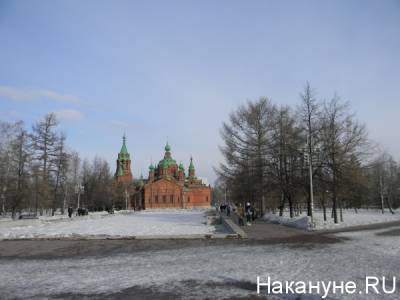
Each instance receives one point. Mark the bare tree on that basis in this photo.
(342, 138)
(44, 140)
(285, 157)
(20, 159)
(309, 114)
(385, 179)
(245, 149)
(60, 165)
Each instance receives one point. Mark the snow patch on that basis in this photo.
(121, 224)
(302, 222)
(350, 218)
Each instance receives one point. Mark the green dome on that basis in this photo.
(167, 147)
(151, 167)
(165, 163)
(181, 167)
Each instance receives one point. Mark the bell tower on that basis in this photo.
(123, 172)
(191, 169)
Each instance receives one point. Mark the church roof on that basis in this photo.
(123, 153)
(191, 166)
(167, 161)
(120, 170)
(124, 150)
(167, 147)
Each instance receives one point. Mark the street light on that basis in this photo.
(126, 198)
(79, 189)
(309, 160)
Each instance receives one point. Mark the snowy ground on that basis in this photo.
(213, 272)
(350, 218)
(142, 223)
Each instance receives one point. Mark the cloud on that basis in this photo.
(69, 115)
(17, 94)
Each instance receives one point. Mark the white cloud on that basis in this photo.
(17, 94)
(69, 115)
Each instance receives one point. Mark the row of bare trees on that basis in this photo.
(39, 174)
(273, 153)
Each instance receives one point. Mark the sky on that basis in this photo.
(174, 70)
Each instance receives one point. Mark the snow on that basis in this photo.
(301, 222)
(350, 218)
(213, 272)
(126, 224)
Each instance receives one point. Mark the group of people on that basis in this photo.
(248, 212)
(225, 208)
(80, 211)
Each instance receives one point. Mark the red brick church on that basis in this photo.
(167, 185)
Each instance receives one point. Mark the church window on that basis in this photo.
(156, 198)
(172, 198)
(164, 198)
(188, 199)
(207, 198)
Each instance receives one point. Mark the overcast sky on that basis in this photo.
(174, 70)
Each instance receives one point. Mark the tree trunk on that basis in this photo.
(381, 194)
(389, 205)
(323, 206)
(334, 196)
(309, 212)
(341, 210)
(282, 206)
(290, 206)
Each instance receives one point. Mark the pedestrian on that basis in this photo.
(70, 211)
(248, 215)
(228, 210)
(240, 213)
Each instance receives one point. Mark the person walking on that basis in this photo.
(248, 215)
(240, 213)
(70, 211)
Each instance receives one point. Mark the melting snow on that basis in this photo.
(141, 223)
(350, 218)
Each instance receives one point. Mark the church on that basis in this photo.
(167, 185)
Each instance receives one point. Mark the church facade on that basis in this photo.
(167, 185)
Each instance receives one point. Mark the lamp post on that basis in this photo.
(126, 198)
(309, 153)
(78, 190)
(3, 200)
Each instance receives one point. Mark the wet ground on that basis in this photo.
(272, 234)
(34, 264)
